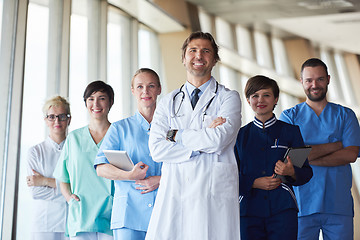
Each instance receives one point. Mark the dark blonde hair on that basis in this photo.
(146, 70)
(56, 101)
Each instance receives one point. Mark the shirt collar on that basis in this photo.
(143, 122)
(54, 144)
(267, 124)
(190, 88)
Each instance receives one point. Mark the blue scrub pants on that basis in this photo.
(281, 226)
(334, 227)
(128, 234)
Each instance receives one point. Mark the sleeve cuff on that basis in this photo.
(194, 153)
(178, 136)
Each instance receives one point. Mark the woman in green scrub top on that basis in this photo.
(89, 196)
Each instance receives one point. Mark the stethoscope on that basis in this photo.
(182, 100)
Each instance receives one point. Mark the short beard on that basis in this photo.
(316, 99)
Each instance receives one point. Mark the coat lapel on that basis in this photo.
(204, 99)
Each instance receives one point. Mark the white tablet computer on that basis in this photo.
(119, 159)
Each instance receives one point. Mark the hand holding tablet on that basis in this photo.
(297, 156)
(119, 159)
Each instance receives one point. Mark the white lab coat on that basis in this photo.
(198, 196)
(49, 206)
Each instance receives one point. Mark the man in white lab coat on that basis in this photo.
(193, 134)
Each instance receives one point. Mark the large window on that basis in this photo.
(149, 49)
(119, 62)
(224, 33)
(1, 16)
(205, 21)
(149, 54)
(344, 78)
(3, 97)
(79, 62)
(335, 89)
(244, 42)
(247, 112)
(35, 80)
(228, 77)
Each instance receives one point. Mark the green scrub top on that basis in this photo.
(76, 166)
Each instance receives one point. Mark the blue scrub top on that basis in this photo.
(131, 209)
(329, 191)
(258, 147)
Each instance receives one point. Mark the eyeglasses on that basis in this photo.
(60, 117)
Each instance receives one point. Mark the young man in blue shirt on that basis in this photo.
(332, 130)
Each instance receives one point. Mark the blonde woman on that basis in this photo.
(134, 200)
(49, 206)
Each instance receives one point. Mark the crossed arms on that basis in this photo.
(332, 154)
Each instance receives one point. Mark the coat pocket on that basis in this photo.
(225, 180)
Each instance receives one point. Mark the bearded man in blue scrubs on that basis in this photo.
(332, 130)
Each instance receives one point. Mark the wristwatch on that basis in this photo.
(170, 136)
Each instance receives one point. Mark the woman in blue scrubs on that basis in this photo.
(268, 207)
(135, 190)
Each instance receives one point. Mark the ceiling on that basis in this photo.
(329, 23)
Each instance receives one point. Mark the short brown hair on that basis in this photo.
(201, 35)
(259, 82)
(99, 86)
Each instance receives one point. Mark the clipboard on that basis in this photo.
(298, 155)
(119, 159)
